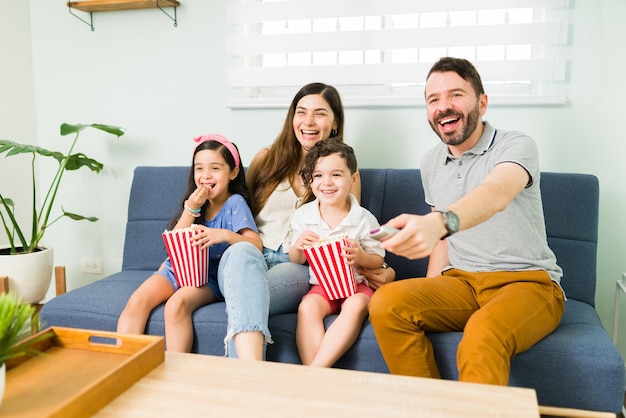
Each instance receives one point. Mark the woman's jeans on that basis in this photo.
(256, 285)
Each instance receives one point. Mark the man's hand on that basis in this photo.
(419, 235)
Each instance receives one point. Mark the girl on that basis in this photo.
(329, 172)
(217, 198)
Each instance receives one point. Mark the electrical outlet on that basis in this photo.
(91, 265)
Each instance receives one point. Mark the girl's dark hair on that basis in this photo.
(463, 68)
(236, 186)
(284, 156)
(325, 148)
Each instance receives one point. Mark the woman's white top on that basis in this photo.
(274, 220)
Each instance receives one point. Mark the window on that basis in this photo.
(378, 53)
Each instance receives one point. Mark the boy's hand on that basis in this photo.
(353, 253)
(306, 239)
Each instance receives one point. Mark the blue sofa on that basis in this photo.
(577, 366)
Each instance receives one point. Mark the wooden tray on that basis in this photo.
(79, 373)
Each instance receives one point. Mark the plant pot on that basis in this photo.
(3, 379)
(29, 274)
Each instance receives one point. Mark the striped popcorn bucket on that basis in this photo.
(332, 270)
(190, 263)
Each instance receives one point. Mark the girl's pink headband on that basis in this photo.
(222, 140)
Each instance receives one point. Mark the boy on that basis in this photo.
(329, 171)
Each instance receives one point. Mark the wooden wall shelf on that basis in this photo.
(90, 6)
(109, 5)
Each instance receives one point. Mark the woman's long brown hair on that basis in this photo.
(284, 157)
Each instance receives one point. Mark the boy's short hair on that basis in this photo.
(325, 148)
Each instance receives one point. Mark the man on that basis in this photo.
(490, 272)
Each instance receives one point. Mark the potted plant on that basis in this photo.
(16, 318)
(20, 249)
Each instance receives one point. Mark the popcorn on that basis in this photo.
(190, 263)
(332, 271)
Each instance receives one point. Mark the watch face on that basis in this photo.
(452, 222)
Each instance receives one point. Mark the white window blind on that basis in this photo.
(378, 53)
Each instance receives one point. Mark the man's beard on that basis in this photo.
(471, 122)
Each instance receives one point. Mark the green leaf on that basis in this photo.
(76, 217)
(56, 155)
(115, 130)
(76, 161)
(67, 129)
(7, 201)
(14, 149)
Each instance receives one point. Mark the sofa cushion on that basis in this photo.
(567, 366)
(155, 197)
(387, 194)
(99, 305)
(570, 206)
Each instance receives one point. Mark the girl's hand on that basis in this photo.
(198, 198)
(353, 253)
(209, 236)
(306, 239)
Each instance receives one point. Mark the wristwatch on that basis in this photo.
(451, 221)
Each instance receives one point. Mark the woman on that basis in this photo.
(259, 284)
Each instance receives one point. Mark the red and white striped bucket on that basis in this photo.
(190, 263)
(332, 270)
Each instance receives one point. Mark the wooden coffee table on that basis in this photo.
(192, 385)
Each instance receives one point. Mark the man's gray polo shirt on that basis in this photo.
(512, 240)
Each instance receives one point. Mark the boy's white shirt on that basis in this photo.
(356, 225)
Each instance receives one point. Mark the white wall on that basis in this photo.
(166, 85)
(17, 102)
